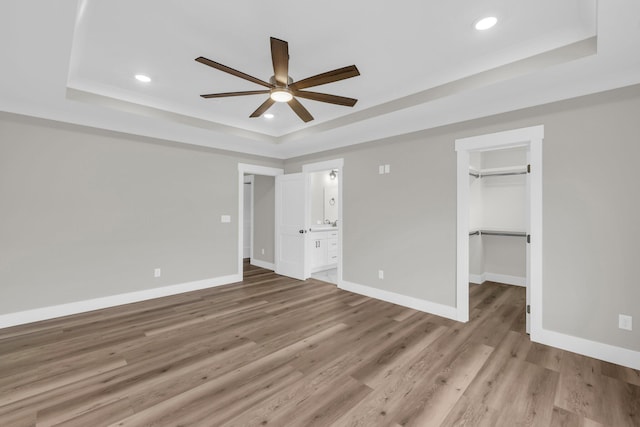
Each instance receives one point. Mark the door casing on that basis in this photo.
(530, 137)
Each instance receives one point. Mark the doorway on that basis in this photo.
(325, 181)
(324, 224)
(258, 246)
(247, 222)
(292, 219)
(529, 139)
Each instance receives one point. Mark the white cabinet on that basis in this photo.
(332, 248)
(318, 251)
(323, 247)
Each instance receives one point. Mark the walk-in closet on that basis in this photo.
(498, 216)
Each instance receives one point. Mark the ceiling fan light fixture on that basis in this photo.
(485, 23)
(281, 95)
(268, 116)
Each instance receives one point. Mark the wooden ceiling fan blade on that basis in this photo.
(224, 95)
(262, 108)
(300, 110)
(280, 59)
(325, 97)
(233, 72)
(328, 77)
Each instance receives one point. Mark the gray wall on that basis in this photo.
(86, 213)
(404, 222)
(264, 217)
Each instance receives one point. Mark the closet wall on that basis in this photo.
(498, 204)
(248, 215)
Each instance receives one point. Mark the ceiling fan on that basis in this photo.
(281, 88)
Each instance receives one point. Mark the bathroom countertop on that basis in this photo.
(320, 228)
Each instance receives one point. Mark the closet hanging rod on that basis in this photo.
(504, 233)
(503, 173)
(499, 233)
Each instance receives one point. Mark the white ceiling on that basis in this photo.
(422, 64)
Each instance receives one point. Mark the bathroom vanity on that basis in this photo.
(323, 247)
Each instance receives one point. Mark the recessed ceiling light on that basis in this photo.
(268, 116)
(485, 23)
(142, 78)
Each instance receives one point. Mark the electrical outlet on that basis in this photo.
(380, 274)
(262, 251)
(157, 272)
(625, 322)
(225, 218)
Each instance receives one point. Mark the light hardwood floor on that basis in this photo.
(276, 351)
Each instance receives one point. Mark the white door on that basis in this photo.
(291, 226)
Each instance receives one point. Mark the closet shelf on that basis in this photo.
(513, 170)
(498, 233)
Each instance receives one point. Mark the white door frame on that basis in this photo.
(530, 137)
(244, 168)
(320, 167)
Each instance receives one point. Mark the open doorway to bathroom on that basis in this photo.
(325, 181)
(324, 223)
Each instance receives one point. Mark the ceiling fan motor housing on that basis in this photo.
(273, 81)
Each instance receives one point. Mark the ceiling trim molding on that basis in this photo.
(561, 55)
(80, 95)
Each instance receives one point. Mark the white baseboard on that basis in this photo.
(500, 278)
(504, 278)
(403, 300)
(263, 264)
(44, 313)
(608, 353)
(478, 279)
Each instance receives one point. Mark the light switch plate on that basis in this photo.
(381, 169)
(387, 168)
(225, 218)
(625, 322)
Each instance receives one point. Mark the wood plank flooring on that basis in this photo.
(275, 351)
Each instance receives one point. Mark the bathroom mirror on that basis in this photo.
(324, 197)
